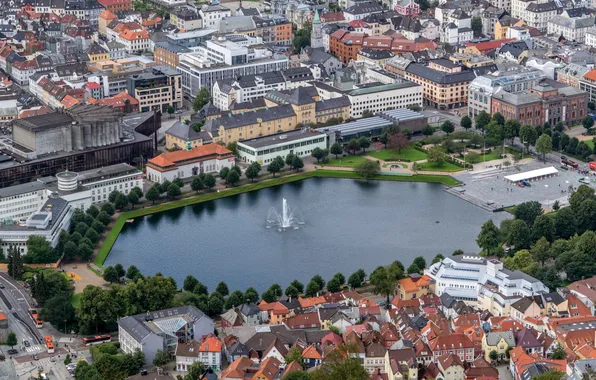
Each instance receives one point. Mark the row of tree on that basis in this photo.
(546, 245)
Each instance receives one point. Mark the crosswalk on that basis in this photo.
(34, 349)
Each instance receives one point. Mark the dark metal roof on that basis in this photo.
(440, 76)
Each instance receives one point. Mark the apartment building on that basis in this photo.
(186, 19)
(87, 10)
(168, 54)
(444, 83)
(573, 29)
(116, 5)
(535, 13)
(113, 75)
(156, 89)
(213, 14)
(216, 60)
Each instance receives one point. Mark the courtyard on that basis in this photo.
(488, 186)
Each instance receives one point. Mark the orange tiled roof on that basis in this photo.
(268, 369)
(69, 101)
(107, 15)
(171, 158)
(237, 369)
(211, 344)
(131, 35)
(489, 45)
(311, 352)
(312, 301)
(591, 75)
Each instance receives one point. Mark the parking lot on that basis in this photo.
(489, 185)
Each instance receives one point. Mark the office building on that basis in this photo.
(300, 142)
(156, 90)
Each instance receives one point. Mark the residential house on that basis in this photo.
(585, 290)
(525, 366)
(374, 360)
(312, 356)
(276, 312)
(304, 321)
(498, 341)
(528, 340)
(451, 367)
(454, 343)
(400, 364)
(414, 287)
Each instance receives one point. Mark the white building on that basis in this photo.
(53, 216)
(188, 162)
(300, 142)
(573, 29)
(360, 10)
(81, 190)
(453, 35)
(245, 88)
(223, 59)
(162, 330)
(535, 13)
(463, 277)
(212, 15)
(207, 352)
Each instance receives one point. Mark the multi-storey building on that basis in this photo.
(463, 277)
(572, 29)
(116, 5)
(212, 15)
(168, 54)
(541, 104)
(535, 13)
(217, 60)
(156, 90)
(444, 84)
(245, 89)
(186, 19)
(482, 88)
(572, 74)
(87, 10)
(162, 330)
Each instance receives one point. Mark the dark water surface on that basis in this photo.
(349, 225)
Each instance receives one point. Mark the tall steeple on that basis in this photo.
(316, 36)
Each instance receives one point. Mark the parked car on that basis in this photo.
(13, 351)
(26, 343)
(35, 357)
(2, 286)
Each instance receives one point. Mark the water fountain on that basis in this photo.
(289, 218)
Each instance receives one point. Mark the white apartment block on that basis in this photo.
(225, 60)
(246, 89)
(212, 15)
(535, 13)
(384, 97)
(573, 29)
(463, 277)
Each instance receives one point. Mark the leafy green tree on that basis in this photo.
(588, 122)
(544, 226)
(439, 257)
(522, 260)
(39, 250)
(544, 145)
(333, 285)
(582, 193)
(173, 191)
(209, 181)
(499, 118)
(527, 135)
(112, 196)
(493, 355)
(11, 339)
(104, 218)
(482, 120)
(121, 201)
(511, 129)
(85, 251)
(196, 184)
(319, 280)
(383, 283)
(368, 169)
(318, 153)
(550, 375)
(414, 268)
(447, 127)
(291, 291)
(81, 228)
(336, 149)
(298, 285)
(565, 225)
(92, 211)
(71, 250)
(586, 215)
(120, 270)
(363, 143)
(420, 262)
(132, 272)
(465, 122)
(528, 212)
(178, 182)
(200, 288)
(519, 235)
(222, 288)
(340, 277)
(428, 130)
(352, 146)
(313, 288)
(57, 310)
(163, 187)
(436, 156)
(110, 275)
(223, 173)
(269, 296)
(153, 193)
(133, 198)
(252, 171)
(92, 235)
(541, 250)
(232, 178)
(488, 238)
(203, 97)
(274, 167)
(476, 25)
(295, 355)
(297, 163)
(108, 208)
(251, 295)
(98, 226)
(161, 358)
(189, 283)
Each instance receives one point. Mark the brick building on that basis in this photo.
(116, 5)
(541, 104)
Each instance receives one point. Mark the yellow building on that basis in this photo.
(497, 341)
(180, 133)
(503, 24)
(96, 53)
(283, 111)
(409, 288)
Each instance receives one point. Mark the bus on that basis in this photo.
(97, 339)
(49, 344)
(38, 322)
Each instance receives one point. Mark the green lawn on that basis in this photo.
(75, 300)
(409, 154)
(431, 178)
(446, 167)
(345, 162)
(590, 143)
